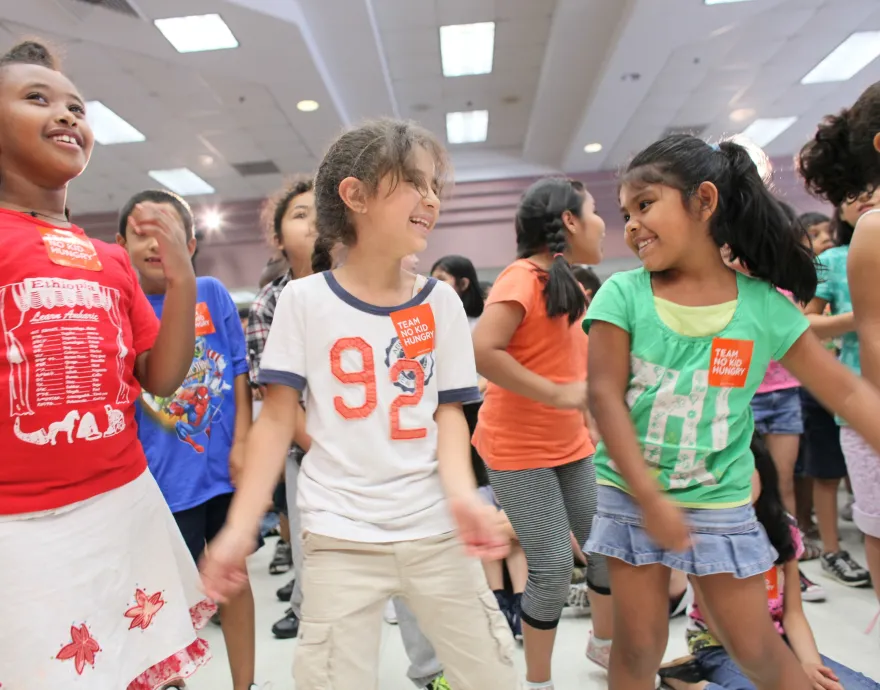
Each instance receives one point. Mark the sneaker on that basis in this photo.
(839, 566)
(599, 651)
(810, 591)
(282, 561)
(578, 599)
(438, 684)
(288, 627)
(284, 593)
(390, 613)
(516, 617)
(846, 512)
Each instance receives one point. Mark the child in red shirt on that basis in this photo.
(98, 586)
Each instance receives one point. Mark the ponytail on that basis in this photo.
(748, 219)
(539, 227)
(322, 257)
(769, 242)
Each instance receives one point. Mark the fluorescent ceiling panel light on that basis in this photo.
(308, 106)
(197, 33)
(108, 127)
(182, 181)
(847, 59)
(467, 127)
(765, 129)
(467, 48)
(723, 2)
(593, 148)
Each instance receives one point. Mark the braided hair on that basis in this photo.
(540, 227)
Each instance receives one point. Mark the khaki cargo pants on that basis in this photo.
(346, 586)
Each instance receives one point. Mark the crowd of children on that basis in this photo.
(673, 430)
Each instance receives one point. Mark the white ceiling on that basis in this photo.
(566, 72)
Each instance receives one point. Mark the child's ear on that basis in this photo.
(120, 240)
(568, 220)
(877, 142)
(707, 198)
(465, 284)
(353, 194)
(191, 246)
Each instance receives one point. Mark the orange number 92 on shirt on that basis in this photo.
(366, 377)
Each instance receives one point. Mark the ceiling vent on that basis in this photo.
(256, 168)
(693, 130)
(120, 6)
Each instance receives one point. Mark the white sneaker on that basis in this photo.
(390, 613)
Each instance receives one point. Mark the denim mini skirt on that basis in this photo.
(723, 540)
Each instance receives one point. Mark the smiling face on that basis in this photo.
(144, 250)
(44, 136)
(402, 216)
(662, 229)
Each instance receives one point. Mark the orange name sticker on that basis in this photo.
(415, 329)
(68, 248)
(771, 580)
(729, 366)
(204, 323)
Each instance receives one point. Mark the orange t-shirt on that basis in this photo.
(518, 433)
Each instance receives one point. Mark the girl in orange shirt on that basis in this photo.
(531, 431)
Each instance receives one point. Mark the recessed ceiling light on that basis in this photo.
(847, 59)
(467, 48)
(197, 33)
(723, 2)
(212, 220)
(765, 129)
(467, 127)
(742, 114)
(206, 159)
(108, 127)
(593, 148)
(307, 106)
(182, 181)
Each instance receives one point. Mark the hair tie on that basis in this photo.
(715, 147)
(558, 254)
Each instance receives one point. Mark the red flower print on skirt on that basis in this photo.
(82, 648)
(147, 607)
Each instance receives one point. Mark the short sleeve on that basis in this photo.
(144, 324)
(785, 323)
(825, 286)
(518, 284)
(610, 305)
(284, 357)
(234, 331)
(454, 351)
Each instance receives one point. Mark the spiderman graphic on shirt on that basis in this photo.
(192, 409)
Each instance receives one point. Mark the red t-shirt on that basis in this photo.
(73, 318)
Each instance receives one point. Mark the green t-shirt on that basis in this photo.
(689, 397)
(833, 287)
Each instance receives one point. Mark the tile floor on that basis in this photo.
(838, 624)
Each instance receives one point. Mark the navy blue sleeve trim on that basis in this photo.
(459, 395)
(285, 378)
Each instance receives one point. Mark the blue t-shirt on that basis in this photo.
(187, 436)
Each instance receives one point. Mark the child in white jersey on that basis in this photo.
(388, 362)
(678, 349)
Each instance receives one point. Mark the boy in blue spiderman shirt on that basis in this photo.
(194, 438)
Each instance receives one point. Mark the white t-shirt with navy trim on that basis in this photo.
(371, 472)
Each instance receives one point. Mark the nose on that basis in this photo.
(431, 199)
(65, 117)
(631, 226)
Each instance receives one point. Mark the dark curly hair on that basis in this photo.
(370, 152)
(840, 162)
(539, 227)
(769, 508)
(30, 52)
(275, 207)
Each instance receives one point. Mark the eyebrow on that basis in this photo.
(40, 85)
(638, 195)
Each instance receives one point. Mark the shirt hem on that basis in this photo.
(12, 505)
(284, 378)
(372, 534)
(502, 465)
(682, 504)
(459, 395)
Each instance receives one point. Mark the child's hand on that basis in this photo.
(166, 227)
(481, 527)
(570, 396)
(822, 677)
(224, 567)
(665, 524)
